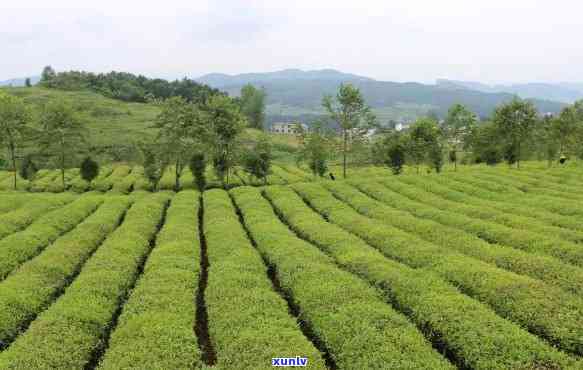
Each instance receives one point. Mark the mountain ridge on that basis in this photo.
(562, 92)
(302, 91)
(18, 82)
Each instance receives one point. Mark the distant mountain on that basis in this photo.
(298, 92)
(219, 80)
(562, 92)
(20, 81)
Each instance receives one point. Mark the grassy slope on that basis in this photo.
(109, 121)
(113, 122)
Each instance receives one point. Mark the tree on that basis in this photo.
(61, 133)
(257, 160)
(547, 139)
(436, 155)
(394, 152)
(349, 110)
(253, 105)
(224, 122)
(515, 121)
(577, 141)
(14, 120)
(89, 169)
(315, 147)
(27, 82)
(422, 138)
(565, 127)
(458, 125)
(154, 164)
(485, 144)
(197, 167)
(28, 169)
(179, 127)
(47, 76)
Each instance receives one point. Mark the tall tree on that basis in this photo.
(224, 121)
(350, 111)
(457, 127)
(253, 105)
(179, 124)
(515, 121)
(565, 127)
(14, 118)
(257, 160)
(27, 82)
(422, 139)
(485, 144)
(154, 163)
(547, 138)
(62, 133)
(315, 147)
(47, 76)
(393, 151)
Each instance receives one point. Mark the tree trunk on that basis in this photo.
(518, 157)
(228, 163)
(177, 178)
(63, 162)
(455, 163)
(345, 145)
(13, 157)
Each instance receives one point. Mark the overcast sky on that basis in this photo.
(402, 40)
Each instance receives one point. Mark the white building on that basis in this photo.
(401, 126)
(286, 127)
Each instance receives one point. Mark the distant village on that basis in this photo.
(291, 128)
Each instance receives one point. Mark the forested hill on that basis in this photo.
(303, 91)
(126, 86)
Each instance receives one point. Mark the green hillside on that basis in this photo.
(110, 122)
(114, 126)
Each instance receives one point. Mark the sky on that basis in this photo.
(493, 41)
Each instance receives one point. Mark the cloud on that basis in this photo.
(491, 41)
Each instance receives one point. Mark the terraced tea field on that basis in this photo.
(123, 179)
(479, 269)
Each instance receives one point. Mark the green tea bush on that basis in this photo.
(334, 303)
(41, 279)
(20, 218)
(238, 276)
(22, 246)
(155, 329)
(66, 335)
(473, 334)
(528, 302)
(545, 268)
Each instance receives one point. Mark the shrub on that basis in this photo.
(89, 169)
(86, 310)
(334, 303)
(472, 334)
(28, 169)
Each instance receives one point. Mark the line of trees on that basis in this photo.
(57, 133)
(195, 135)
(190, 135)
(197, 126)
(516, 131)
